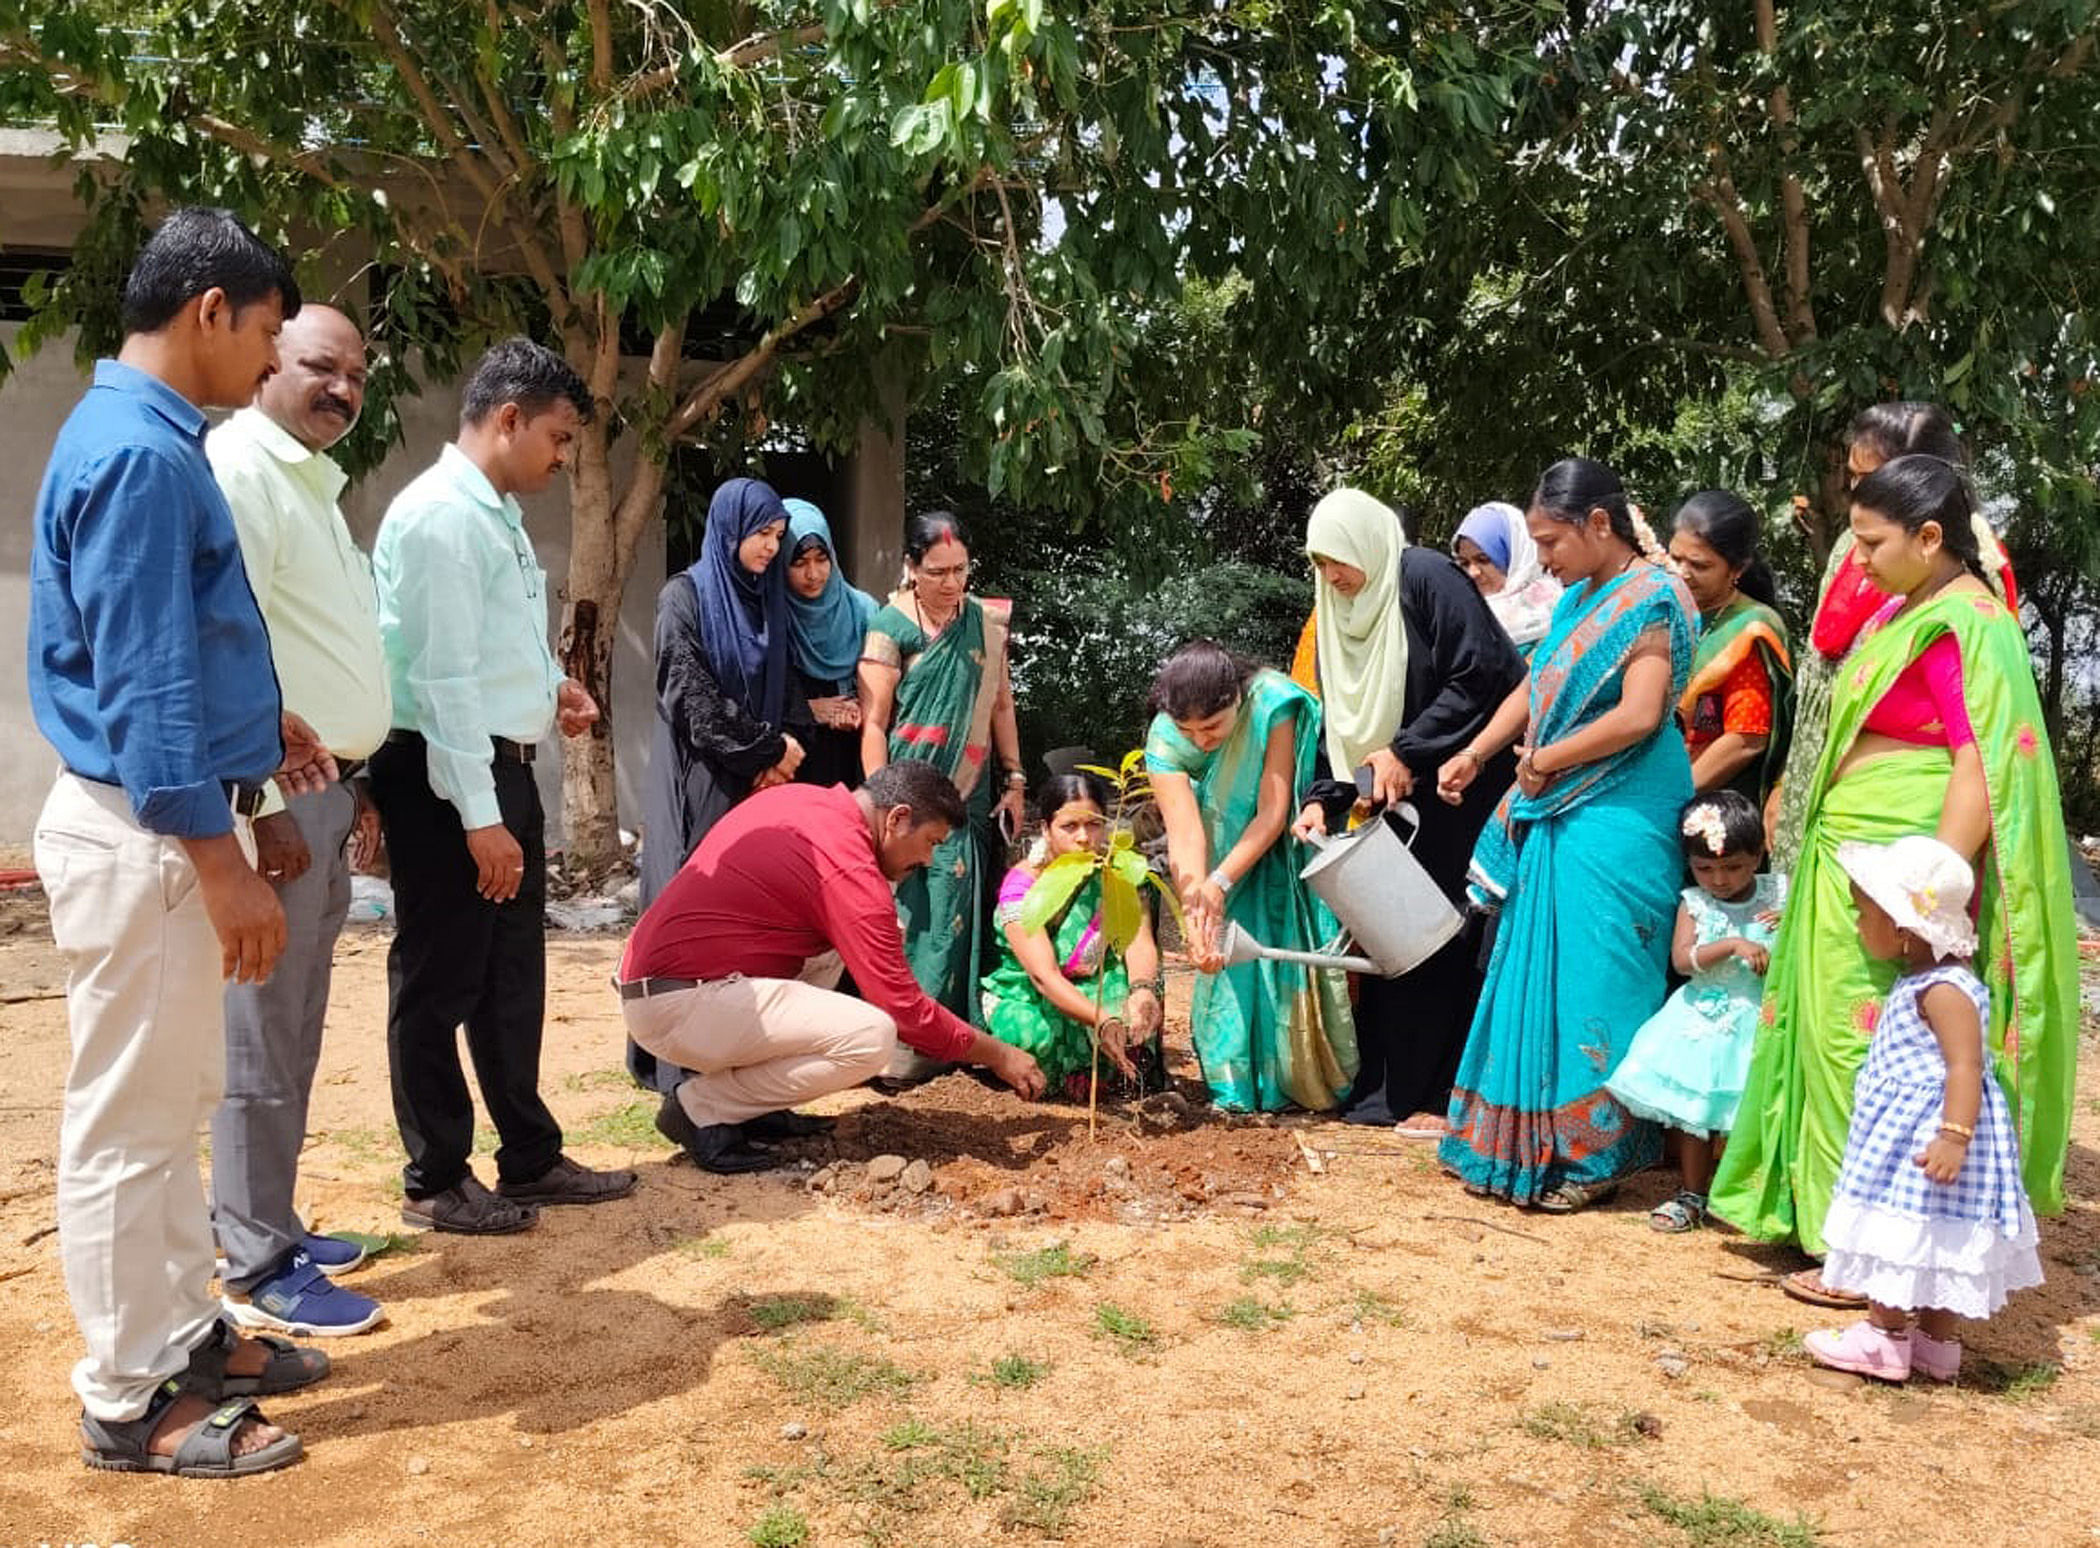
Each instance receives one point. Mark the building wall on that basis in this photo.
(35, 400)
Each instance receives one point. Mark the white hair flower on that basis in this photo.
(1704, 822)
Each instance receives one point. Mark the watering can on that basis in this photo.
(1383, 897)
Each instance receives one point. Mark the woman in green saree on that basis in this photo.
(1935, 728)
(1229, 750)
(934, 687)
(1043, 996)
(1735, 709)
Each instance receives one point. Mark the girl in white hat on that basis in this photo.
(1929, 1215)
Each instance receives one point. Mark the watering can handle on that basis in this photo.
(1403, 808)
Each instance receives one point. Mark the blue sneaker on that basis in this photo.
(301, 1300)
(334, 1254)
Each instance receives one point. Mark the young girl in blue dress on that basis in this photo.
(1929, 1215)
(1685, 1067)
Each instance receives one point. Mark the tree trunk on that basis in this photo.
(590, 624)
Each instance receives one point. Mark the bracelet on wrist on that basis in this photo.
(1472, 755)
(1962, 1130)
(1220, 880)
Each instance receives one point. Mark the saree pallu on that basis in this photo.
(1587, 875)
(1824, 994)
(1744, 628)
(943, 716)
(1267, 1034)
(1015, 1011)
(1813, 676)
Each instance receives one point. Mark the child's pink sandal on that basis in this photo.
(1934, 1359)
(1864, 1350)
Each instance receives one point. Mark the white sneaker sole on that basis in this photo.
(249, 1315)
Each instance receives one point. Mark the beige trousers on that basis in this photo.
(144, 1002)
(756, 1045)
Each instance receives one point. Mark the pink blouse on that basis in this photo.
(1924, 705)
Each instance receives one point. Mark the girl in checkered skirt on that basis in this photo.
(1929, 1215)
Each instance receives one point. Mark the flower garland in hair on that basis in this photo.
(1704, 822)
(1650, 546)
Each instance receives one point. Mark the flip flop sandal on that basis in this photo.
(1567, 1198)
(1806, 1286)
(1686, 1212)
(287, 1369)
(122, 1446)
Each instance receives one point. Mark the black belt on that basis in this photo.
(648, 988)
(247, 799)
(504, 748)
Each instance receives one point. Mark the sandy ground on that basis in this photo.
(1174, 1338)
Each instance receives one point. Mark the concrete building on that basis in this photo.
(40, 218)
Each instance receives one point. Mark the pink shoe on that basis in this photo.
(1864, 1350)
(1935, 1359)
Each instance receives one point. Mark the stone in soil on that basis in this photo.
(916, 1178)
(885, 1169)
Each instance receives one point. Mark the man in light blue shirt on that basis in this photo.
(463, 615)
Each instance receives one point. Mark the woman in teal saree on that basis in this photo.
(1583, 859)
(934, 687)
(1229, 750)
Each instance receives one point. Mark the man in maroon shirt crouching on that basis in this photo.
(730, 972)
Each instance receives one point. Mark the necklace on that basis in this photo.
(928, 625)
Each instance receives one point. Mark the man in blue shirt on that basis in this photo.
(150, 672)
(463, 620)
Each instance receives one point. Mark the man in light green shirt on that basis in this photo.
(463, 614)
(315, 592)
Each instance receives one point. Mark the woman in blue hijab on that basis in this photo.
(722, 680)
(827, 623)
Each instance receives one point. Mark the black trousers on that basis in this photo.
(460, 960)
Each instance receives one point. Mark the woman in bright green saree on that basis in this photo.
(1935, 728)
(1229, 750)
(934, 687)
(1060, 984)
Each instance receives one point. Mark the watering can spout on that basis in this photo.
(1238, 947)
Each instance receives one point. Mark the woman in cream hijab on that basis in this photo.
(1494, 547)
(1410, 664)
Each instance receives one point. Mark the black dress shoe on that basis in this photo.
(723, 1148)
(787, 1125)
(673, 1123)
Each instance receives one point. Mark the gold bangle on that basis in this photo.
(1955, 1128)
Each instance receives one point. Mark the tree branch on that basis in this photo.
(1719, 194)
(724, 381)
(601, 47)
(1801, 317)
(756, 49)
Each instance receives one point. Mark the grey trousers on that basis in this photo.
(273, 1044)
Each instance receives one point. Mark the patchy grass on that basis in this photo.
(1783, 1346)
(2018, 1382)
(1454, 1530)
(887, 1493)
(713, 1247)
(1130, 1332)
(1250, 1314)
(1056, 1261)
(631, 1127)
(1014, 1372)
(834, 1378)
(772, 1313)
(1045, 1499)
(368, 1146)
(598, 1080)
(1717, 1521)
(1294, 1242)
(782, 1526)
(1580, 1424)
(1368, 1306)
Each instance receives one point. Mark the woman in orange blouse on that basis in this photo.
(1735, 708)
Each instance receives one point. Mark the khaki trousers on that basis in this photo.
(144, 1003)
(756, 1045)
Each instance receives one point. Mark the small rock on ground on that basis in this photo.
(885, 1169)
